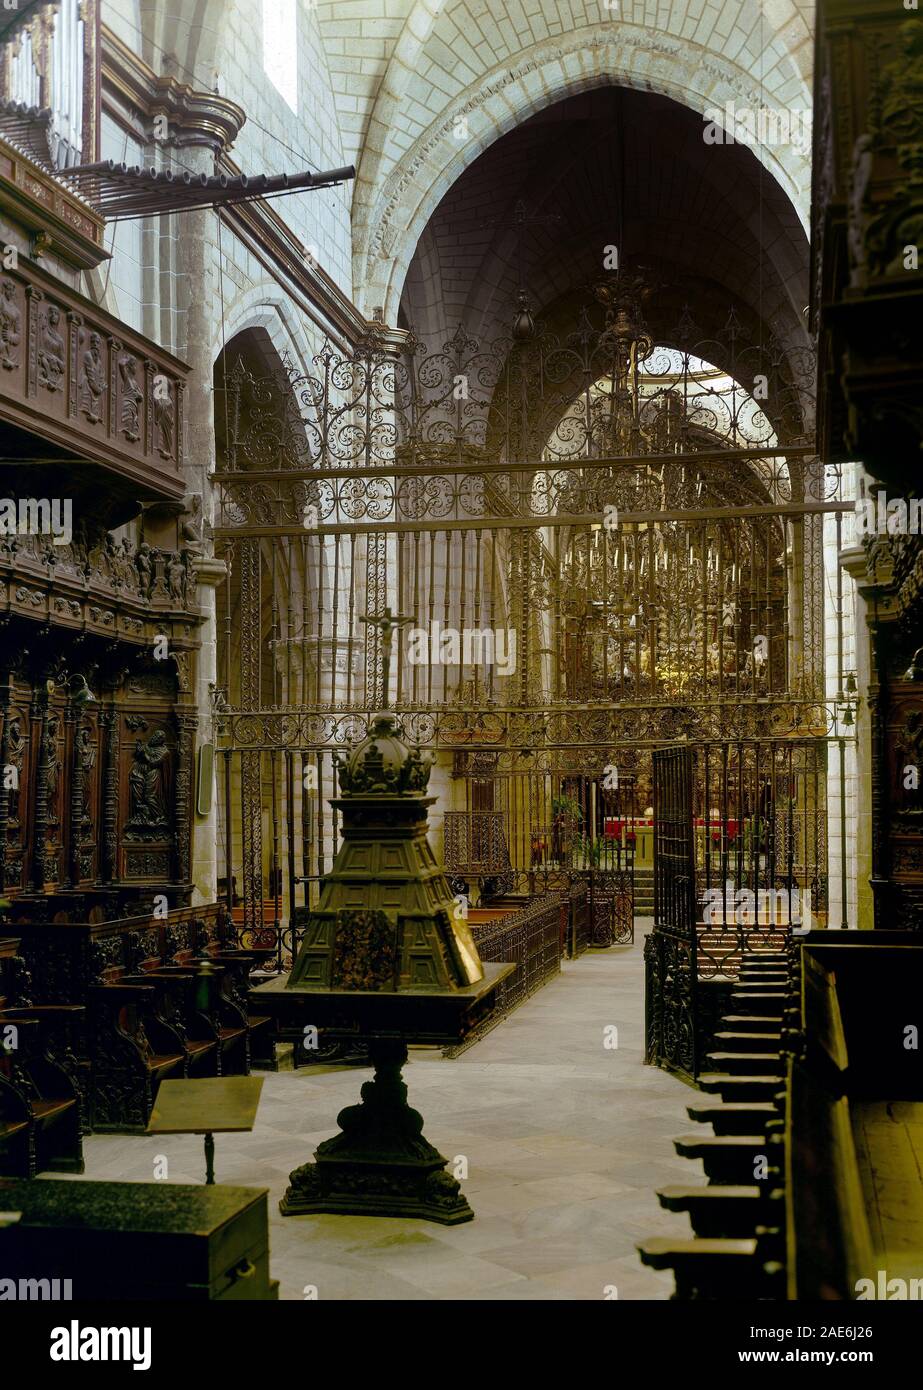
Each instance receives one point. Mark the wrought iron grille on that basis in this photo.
(671, 949)
(740, 858)
(599, 553)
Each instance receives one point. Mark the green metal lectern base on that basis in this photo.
(379, 1164)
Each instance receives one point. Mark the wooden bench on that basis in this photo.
(163, 997)
(736, 1247)
(133, 1049)
(40, 1111)
(850, 1110)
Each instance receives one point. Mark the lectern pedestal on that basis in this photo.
(380, 1163)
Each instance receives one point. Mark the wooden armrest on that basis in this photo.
(39, 1011)
(117, 987)
(179, 972)
(139, 976)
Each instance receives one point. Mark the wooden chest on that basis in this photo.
(134, 1240)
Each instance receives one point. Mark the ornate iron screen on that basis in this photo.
(599, 545)
(740, 858)
(671, 949)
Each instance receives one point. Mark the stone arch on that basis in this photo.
(266, 308)
(391, 210)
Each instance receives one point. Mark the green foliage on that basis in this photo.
(567, 808)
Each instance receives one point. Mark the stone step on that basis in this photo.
(744, 1041)
(751, 1023)
(765, 1003)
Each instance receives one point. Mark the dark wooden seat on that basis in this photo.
(163, 996)
(40, 1104)
(741, 1088)
(163, 1064)
(10, 1127)
(722, 1212)
(745, 1063)
(734, 1117)
(133, 1049)
(730, 1158)
(210, 1021)
(831, 1103)
(708, 1268)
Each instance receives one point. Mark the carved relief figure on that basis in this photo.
(190, 581)
(10, 325)
(50, 755)
(132, 396)
(51, 350)
(92, 380)
(147, 804)
(111, 560)
(127, 567)
(176, 576)
(192, 526)
(144, 563)
(86, 757)
(164, 416)
(858, 212)
(17, 748)
(909, 748)
(902, 88)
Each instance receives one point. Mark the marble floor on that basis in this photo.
(565, 1139)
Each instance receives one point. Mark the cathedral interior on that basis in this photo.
(461, 647)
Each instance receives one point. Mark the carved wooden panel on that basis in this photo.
(99, 802)
(16, 758)
(80, 378)
(147, 780)
(904, 781)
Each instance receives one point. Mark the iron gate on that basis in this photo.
(671, 948)
(740, 858)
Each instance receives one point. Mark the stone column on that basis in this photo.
(190, 286)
